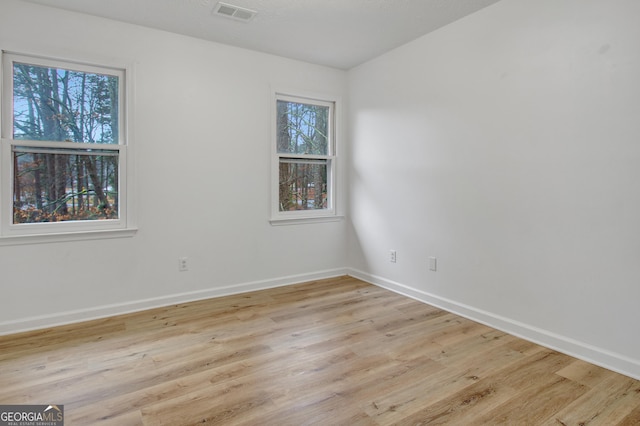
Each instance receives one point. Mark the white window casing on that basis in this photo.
(72, 229)
(297, 210)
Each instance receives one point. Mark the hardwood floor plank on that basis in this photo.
(585, 373)
(218, 404)
(536, 403)
(632, 419)
(609, 402)
(478, 398)
(130, 418)
(327, 352)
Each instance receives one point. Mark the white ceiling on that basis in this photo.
(336, 33)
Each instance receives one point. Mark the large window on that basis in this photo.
(304, 158)
(63, 147)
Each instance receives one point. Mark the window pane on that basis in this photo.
(57, 104)
(303, 185)
(65, 186)
(302, 128)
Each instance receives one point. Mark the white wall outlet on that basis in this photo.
(183, 264)
(392, 256)
(433, 264)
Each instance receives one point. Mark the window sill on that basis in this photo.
(68, 236)
(304, 220)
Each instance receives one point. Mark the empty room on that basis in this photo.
(323, 212)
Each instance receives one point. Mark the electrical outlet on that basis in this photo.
(433, 264)
(393, 256)
(183, 264)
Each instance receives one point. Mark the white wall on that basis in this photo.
(508, 146)
(201, 122)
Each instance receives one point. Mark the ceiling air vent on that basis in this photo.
(234, 12)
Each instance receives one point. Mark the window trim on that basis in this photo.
(124, 225)
(278, 217)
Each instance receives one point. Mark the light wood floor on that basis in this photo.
(332, 352)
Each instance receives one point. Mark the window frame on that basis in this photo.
(311, 215)
(26, 233)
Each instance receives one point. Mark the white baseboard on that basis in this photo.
(595, 355)
(70, 317)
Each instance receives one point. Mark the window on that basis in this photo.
(64, 148)
(304, 158)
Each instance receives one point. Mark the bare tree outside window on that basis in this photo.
(79, 180)
(304, 147)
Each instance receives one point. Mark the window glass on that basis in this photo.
(56, 104)
(305, 161)
(303, 128)
(56, 185)
(303, 185)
